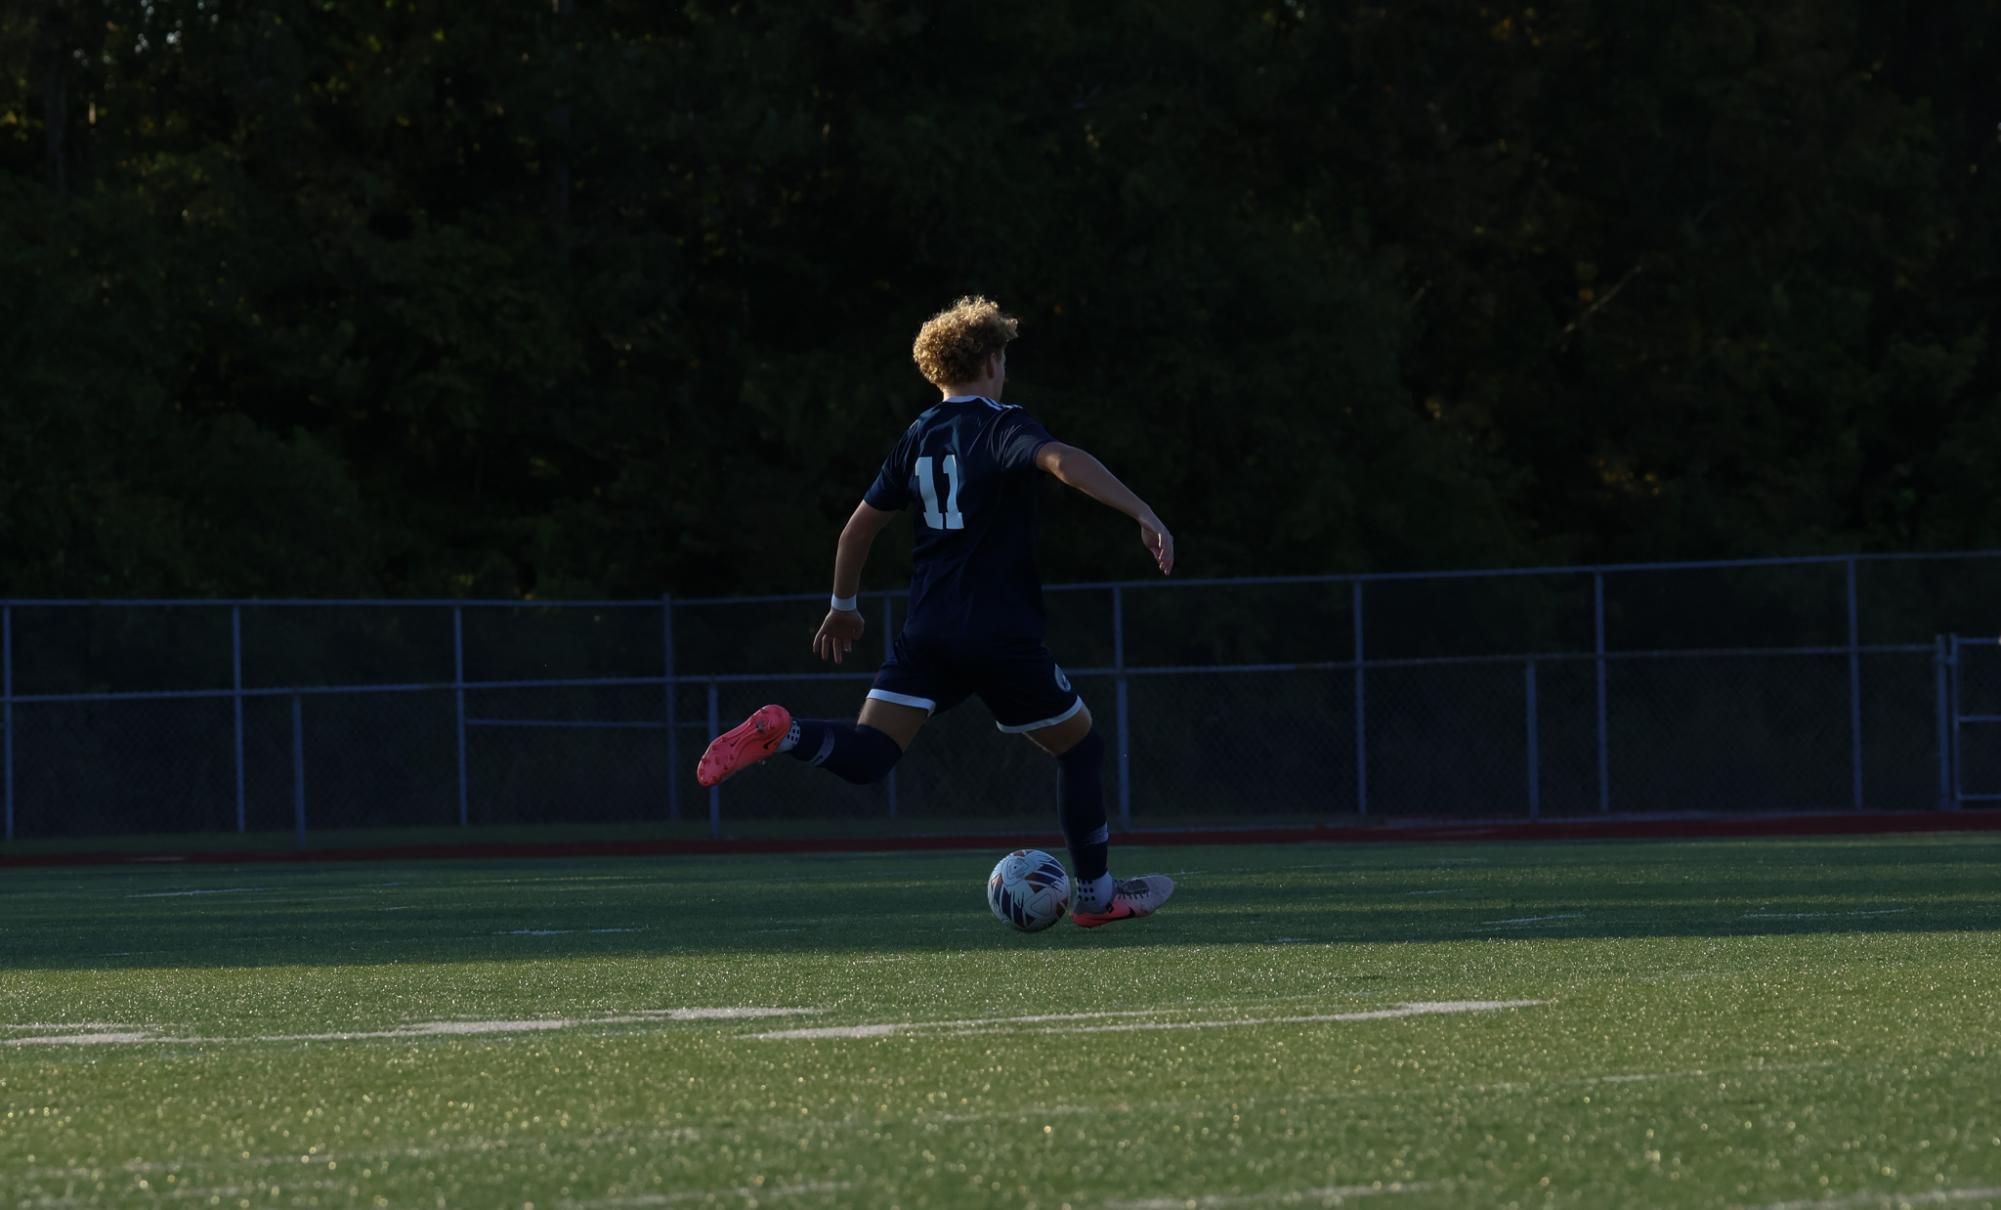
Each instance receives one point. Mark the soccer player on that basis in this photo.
(975, 622)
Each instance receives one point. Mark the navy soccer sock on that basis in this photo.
(1082, 801)
(852, 751)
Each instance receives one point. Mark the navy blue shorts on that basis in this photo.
(1017, 678)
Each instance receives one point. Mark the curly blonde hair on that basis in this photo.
(953, 345)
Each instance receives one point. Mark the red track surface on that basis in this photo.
(1649, 828)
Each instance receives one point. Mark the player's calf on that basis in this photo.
(1081, 808)
(854, 752)
(1100, 899)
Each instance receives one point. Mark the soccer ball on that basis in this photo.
(1028, 890)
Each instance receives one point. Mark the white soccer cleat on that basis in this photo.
(1131, 899)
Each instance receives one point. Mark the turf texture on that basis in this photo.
(1754, 1023)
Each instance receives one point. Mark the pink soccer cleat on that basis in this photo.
(1131, 899)
(744, 745)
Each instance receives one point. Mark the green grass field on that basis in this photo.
(1739, 1023)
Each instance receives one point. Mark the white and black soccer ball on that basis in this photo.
(1028, 890)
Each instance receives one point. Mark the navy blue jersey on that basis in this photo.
(968, 468)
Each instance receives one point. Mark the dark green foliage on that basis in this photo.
(305, 297)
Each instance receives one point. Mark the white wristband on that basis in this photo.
(844, 604)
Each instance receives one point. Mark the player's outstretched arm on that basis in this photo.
(837, 634)
(1080, 470)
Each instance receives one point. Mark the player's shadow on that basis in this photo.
(1299, 896)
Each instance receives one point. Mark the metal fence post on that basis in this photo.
(7, 702)
(1361, 707)
(299, 767)
(1854, 685)
(889, 646)
(236, 684)
(459, 700)
(1604, 744)
(673, 721)
(715, 791)
(1535, 747)
(1958, 763)
(1123, 702)
(1947, 731)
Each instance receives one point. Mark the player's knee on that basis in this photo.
(1087, 751)
(872, 754)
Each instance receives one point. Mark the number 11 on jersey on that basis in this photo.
(951, 517)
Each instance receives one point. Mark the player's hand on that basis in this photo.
(837, 635)
(1159, 543)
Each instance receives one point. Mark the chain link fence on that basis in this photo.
(1842, 683)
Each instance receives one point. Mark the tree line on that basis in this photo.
(609, 297)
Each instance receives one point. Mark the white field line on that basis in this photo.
(888, 1028)
(565, 886)
(741, 1192)
(1450, 890)
(227, 890)
(1216, 1201)
(1925, 1197)
(1636, 1077)
(718, 1014)
(91, 1039)
(1072, 1023)
(178, 1193)
(79, 1026)
(1821, 915)
(539, 880)
(437, 1029)
(318, 1157)
(1020, 1115)
(1514, 920)
(560, 932)
(422, 1029)
(1421, 1009)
